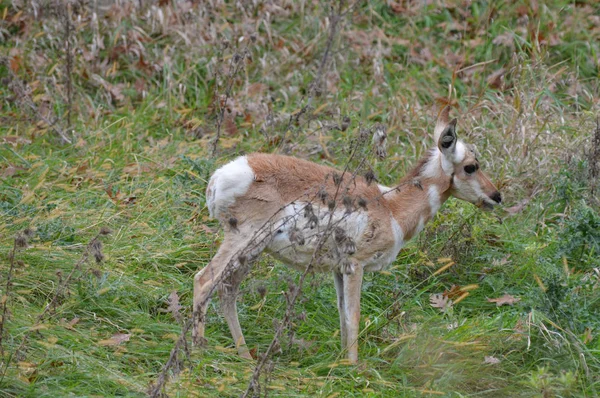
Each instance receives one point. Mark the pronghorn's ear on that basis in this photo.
(442, 122)
(447, 139)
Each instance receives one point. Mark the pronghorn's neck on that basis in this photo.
(421, 193)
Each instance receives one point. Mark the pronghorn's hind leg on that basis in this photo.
(226, 270)
(205, 282)
(228, 291)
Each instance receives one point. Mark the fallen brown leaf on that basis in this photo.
(495, 79)
(518, 207)
(440, 301)
(507, 299)
(115, 339)
(174, 306)
(491, 360)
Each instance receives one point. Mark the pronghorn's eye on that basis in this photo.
(471, 168)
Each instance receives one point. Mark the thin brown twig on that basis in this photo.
(235, 65)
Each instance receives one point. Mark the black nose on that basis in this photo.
(496, 197)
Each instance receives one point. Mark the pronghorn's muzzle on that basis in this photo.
(491, 200)
(496, 197)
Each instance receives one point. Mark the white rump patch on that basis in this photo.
(226, 184)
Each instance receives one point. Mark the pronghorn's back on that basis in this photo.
(280, 180)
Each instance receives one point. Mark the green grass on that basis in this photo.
(140, 162)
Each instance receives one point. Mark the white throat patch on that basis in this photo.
(434, 199)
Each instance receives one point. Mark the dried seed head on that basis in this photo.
(364, 134)
(370, 177)
(21, 241)
(331, 205)
(98, 256)
(337, 179)
(313, 222)
(362, 203)
(345, 123)
(262, 290)
(296, 236)
(339, 235)
(237, 57)
(322, 194)
(308, 210)
(347, 266)
(348, 246)
(348, 204)
(253, 37)
(28, 232)
(380, 141)
(417, 183)
(95, 248)
(302, 316)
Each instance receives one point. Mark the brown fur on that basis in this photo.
(281, 180)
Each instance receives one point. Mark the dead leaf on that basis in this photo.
(130, 200)
(495, 79)
(208, 229)
(72, 323)
(174, 306)
(440, 301)
(587, 336)
(115, 339)
(256, 89)
(15, 63)
(507, 299)
(505, 39)
(518, 207)
(503, 261)
(230, 126)
(491, 360)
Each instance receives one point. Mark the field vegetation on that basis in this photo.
(114, 114)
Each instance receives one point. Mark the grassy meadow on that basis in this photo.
(114, 114)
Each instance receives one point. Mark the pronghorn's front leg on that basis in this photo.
(338, 280)
(352, 287)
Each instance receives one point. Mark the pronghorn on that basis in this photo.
(286, 206)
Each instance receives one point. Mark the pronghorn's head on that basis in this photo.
(459, 160)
